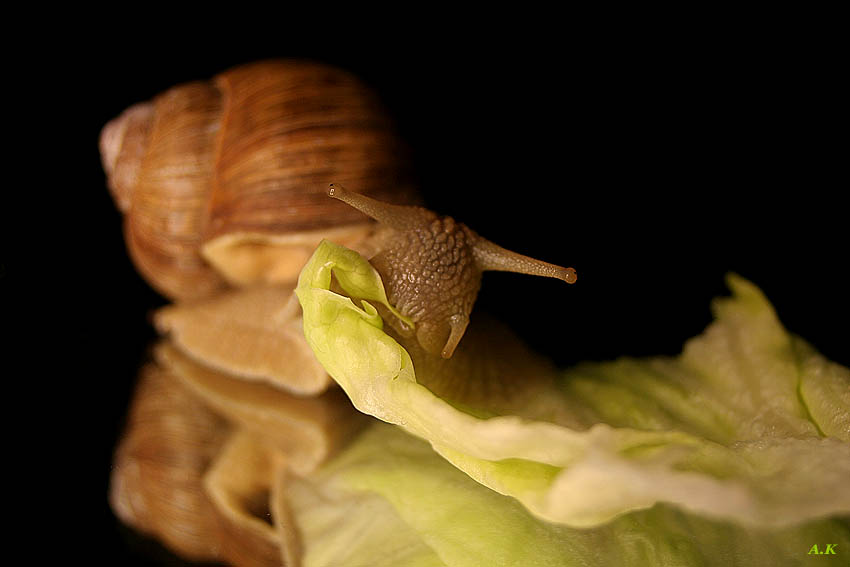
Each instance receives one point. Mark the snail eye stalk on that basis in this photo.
(492, 257)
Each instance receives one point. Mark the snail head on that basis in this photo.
(431, 266)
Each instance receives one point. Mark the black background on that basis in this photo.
(652, 162)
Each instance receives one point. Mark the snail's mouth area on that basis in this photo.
(443, 377)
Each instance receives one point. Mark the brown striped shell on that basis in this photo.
(223, 182)
(204, 461)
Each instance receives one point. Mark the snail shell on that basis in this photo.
(223, 182)
(203, 463)
(170, 441)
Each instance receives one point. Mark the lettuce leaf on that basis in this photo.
(389, 500)
(749, 424)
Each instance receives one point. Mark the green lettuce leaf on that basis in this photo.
(390, 500)
(749, 424)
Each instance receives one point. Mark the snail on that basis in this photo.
(222, 183)
(224, 190)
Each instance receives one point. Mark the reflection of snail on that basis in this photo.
(223, 188)
(223, 183)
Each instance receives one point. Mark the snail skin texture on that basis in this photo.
(431, 267)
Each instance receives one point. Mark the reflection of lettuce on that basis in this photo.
(748, 424)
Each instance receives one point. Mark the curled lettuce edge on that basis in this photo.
(588, 477)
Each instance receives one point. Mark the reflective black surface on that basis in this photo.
(653, 167)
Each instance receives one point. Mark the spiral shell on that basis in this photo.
(156, 486)
(223, 182)
(204, 462)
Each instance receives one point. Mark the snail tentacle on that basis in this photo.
(399, 217)
(492, 257)
(458, 323)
